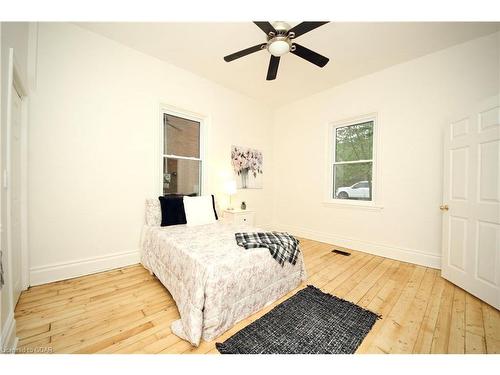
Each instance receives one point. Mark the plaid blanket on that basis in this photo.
(282, 246)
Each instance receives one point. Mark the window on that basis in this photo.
(353, 161)
(182, 162)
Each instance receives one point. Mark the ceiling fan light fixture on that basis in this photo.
(279, 46)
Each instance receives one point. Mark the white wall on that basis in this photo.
(93, 147)
(414, 101)
(13, 35)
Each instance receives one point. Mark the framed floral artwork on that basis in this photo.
(247, 167)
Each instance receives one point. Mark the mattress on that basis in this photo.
(214, 282)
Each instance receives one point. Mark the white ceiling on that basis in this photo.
(354, 49)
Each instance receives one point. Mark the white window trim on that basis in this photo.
(328, 199)
(203, 120)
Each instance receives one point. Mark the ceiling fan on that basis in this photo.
(280, 41)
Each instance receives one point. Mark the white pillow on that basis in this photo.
(199, 210)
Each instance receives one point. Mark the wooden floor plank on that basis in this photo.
(456, 343)
(354, 279)
(424, 339)
(365, 284)
(491, 319)
(411, 321)
(384, 302)
(388, 339)
(160, 329)
(378, 285)
(128, 311)
(94, 318)
(475, 342)
(64, 303)
(441, 333)
(111, 336)
(75, 312)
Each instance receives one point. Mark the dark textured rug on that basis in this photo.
(310, 322)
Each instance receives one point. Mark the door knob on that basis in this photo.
(444, 207)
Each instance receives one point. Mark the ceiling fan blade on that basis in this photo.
(266, 27)
(310, 56)
(272, 71)
(244, 52)
(305, 27)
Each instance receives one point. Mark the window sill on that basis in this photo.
(353, 204)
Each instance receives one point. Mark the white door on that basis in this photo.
(471, 205)
(14, 187)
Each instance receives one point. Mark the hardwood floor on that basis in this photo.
(128, 311)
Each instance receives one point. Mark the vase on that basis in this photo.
(244, 178)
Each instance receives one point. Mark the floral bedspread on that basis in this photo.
(214, 282)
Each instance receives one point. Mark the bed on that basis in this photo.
(214, 282)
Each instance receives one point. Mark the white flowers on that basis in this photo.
(246, 160)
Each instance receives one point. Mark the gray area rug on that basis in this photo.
(310, 322)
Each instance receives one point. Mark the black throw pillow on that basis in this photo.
(172, 210)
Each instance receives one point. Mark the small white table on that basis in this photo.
(238, 216)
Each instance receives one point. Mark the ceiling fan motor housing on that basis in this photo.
(281, 27)
(279, 44)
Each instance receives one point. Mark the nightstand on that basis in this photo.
(238, 216)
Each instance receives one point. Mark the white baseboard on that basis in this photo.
(69, 270)
(8, 338)
(401, 254)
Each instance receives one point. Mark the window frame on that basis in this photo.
(188, 115)
(330, 163)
